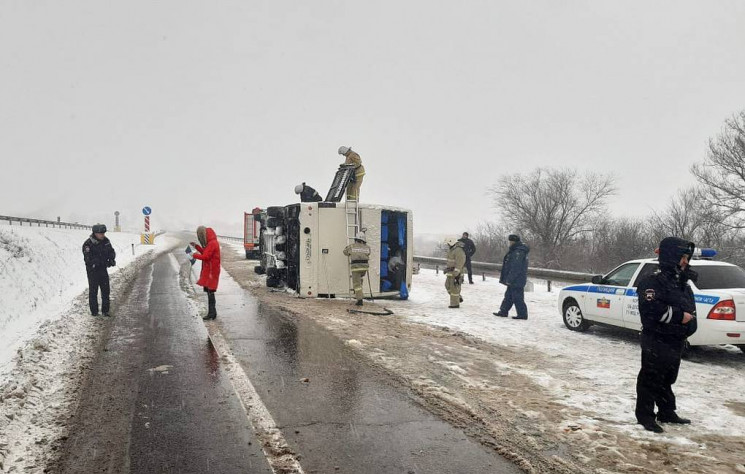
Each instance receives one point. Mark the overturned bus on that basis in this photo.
(302, 248)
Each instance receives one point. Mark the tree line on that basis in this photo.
(562, 213)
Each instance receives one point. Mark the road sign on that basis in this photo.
(147, 211)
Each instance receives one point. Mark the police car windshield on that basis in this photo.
(715, 277)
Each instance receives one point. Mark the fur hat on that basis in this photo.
(202, 235)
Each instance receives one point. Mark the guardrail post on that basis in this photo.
(133, 249)
(437, 269)
(483, 277)
(548, 285)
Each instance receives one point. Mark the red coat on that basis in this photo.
(210, 257)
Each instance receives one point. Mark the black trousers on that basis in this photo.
(514, 295)
(660, 365)
(211, 303)
(98, 278)
(470, 271)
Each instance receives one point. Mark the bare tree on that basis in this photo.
(491, 243)
(689, 216)
(615, 241)
(723, 172)
(552, 206)
(682, 217)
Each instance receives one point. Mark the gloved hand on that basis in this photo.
(688, 275)
(112, 263)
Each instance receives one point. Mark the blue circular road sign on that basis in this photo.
(146, 210)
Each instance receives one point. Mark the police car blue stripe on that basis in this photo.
(606, 290)
(706, 299)
(703, 299)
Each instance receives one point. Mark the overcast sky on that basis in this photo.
(202, 110)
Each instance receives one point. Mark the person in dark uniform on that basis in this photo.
(307, 194)
(98, 255)
(668, 315)
(514, 275)
(470, 248)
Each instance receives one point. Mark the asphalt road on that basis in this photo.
(158, 399)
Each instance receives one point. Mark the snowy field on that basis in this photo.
(596, 370)
(41, 272)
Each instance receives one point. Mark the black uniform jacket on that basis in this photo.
(663, 298)
(98, 253)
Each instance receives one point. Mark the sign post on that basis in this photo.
(147, 238)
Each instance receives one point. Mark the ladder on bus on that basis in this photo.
(352, 217)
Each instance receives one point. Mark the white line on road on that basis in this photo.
(281, 458)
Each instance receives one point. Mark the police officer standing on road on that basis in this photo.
(98, 255)
(515, 275)
(352, 158)
(470, 249)
(668, 314)
(359, 255)
(456, 260)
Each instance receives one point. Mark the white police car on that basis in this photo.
(612, 300)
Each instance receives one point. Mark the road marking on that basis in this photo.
(281, 458)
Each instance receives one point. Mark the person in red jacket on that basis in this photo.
(209, 254)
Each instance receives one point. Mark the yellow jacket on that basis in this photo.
(354, 159)
(359, 255)
(456, 260)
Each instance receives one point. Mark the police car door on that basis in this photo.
(606, 300)
(631, 318)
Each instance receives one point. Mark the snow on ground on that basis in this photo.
(48, 334)
(41, 272)
(596, 370)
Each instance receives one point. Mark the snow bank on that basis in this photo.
(41, 271)
(596, 370)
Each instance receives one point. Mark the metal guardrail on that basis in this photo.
(227, 237)
(545, 273)
(39, 222)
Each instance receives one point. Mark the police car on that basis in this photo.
(612, 300)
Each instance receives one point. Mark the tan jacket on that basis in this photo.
(359, 255)
(354, 159)
(456, 260)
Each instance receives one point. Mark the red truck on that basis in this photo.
(252, 233)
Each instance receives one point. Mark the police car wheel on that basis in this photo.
(573, 318)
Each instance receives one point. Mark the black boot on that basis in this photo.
(358, 303)
(652, 426)
(211, 311)
(501, 315)
(672, 417)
